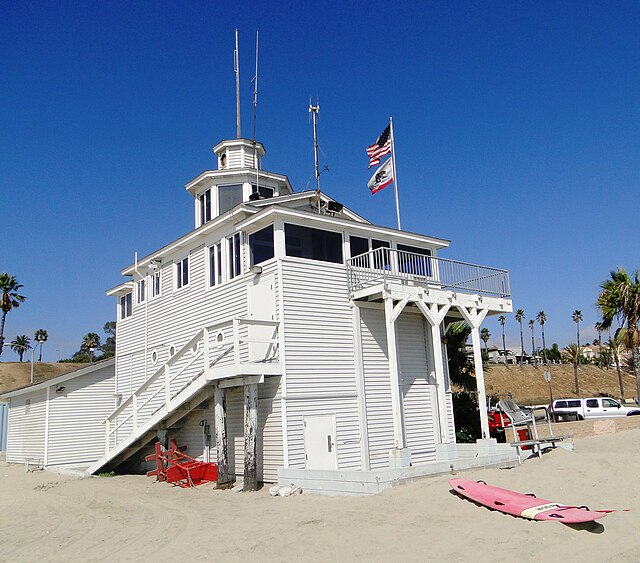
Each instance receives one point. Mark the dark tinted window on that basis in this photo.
(561, 404)
(261, 245)
(574, 404)
(381, 259)
(409, 263)
(229, 197)
(262, 190)
(592, 403)
(358, 246)
(305, 242)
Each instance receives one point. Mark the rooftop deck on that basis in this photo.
(384, 265)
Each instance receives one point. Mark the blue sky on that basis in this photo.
(517, 134)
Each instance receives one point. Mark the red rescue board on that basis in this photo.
(524, 506)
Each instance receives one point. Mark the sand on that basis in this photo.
(49, 517)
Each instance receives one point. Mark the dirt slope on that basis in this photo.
(18, 374)
(528, 386)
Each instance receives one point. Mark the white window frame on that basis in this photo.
(229, 262)
(124, 310)
(156, 275)
(215, 271)
(179, 273)
(141, 290)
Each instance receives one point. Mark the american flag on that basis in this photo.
(381, 147)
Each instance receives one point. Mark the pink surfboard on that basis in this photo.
(524, 506)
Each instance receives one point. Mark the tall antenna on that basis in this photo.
(314, 110)
(255, 91)
(236, 68)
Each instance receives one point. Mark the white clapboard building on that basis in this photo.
(285, 337)
(288, 338)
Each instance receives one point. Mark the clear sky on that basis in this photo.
(517, 134)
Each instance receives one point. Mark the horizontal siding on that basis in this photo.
(377, 386)
(418, 392)
(76, 431)
(26, 428)
(319, 355)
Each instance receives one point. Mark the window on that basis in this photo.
(125, 306)
(182, 272)
(142, 290)
(264, 191)
(215, 265)
(27, 406)
(205, 207)
(381, 259)
(233, 256)
(409, 263)
(315, 244)
(561, 404)
(592, 403)
(155, 284)
(261, 245)
(574, 404)
(229, 197)
(358, 246)
(610, 404)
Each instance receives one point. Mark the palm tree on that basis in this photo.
(598, 327)
(615, 345)
(572, 353)
(577, 317)
(90, 342)
(542, 318)
(484, 336)
(11, 299)
(519, 318)
(21, 344)
(502, 320)
(620, 298)
(532, 326)
(41, 337)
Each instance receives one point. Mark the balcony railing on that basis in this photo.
(387, 264)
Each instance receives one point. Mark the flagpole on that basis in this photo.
(395, 174)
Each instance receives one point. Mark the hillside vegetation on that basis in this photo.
(528, 386)
(18, 374)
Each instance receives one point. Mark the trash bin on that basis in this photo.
(523, 435)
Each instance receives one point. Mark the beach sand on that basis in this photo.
(50, 517)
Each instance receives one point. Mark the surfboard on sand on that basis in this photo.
(522, 505)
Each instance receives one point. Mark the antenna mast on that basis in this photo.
(314, 110)
(236, 68)
(255, 91)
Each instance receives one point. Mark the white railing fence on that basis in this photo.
(385, 264)
(226, 345)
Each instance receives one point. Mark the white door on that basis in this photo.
(320, 442)
(261, 305)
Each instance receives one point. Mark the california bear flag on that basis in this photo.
(382, 177)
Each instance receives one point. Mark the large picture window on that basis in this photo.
(315, 244)
(228, 197)
(261, 245)
(358, 246)
(414, 260)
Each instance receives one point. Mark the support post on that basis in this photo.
(394, 375)
(250, 431)
(438, 364)
(220, 424)
(134, 406)
(482, 396)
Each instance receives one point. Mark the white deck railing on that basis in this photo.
(225, 347)
(386, 264)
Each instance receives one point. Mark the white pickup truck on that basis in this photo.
(593, 407)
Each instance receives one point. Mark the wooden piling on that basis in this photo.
(250, 431)
(220, 424)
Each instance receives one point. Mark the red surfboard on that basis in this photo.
(524, 506)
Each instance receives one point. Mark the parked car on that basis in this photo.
(593, 407)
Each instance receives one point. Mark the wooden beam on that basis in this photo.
(250, 443)
(220, 426)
